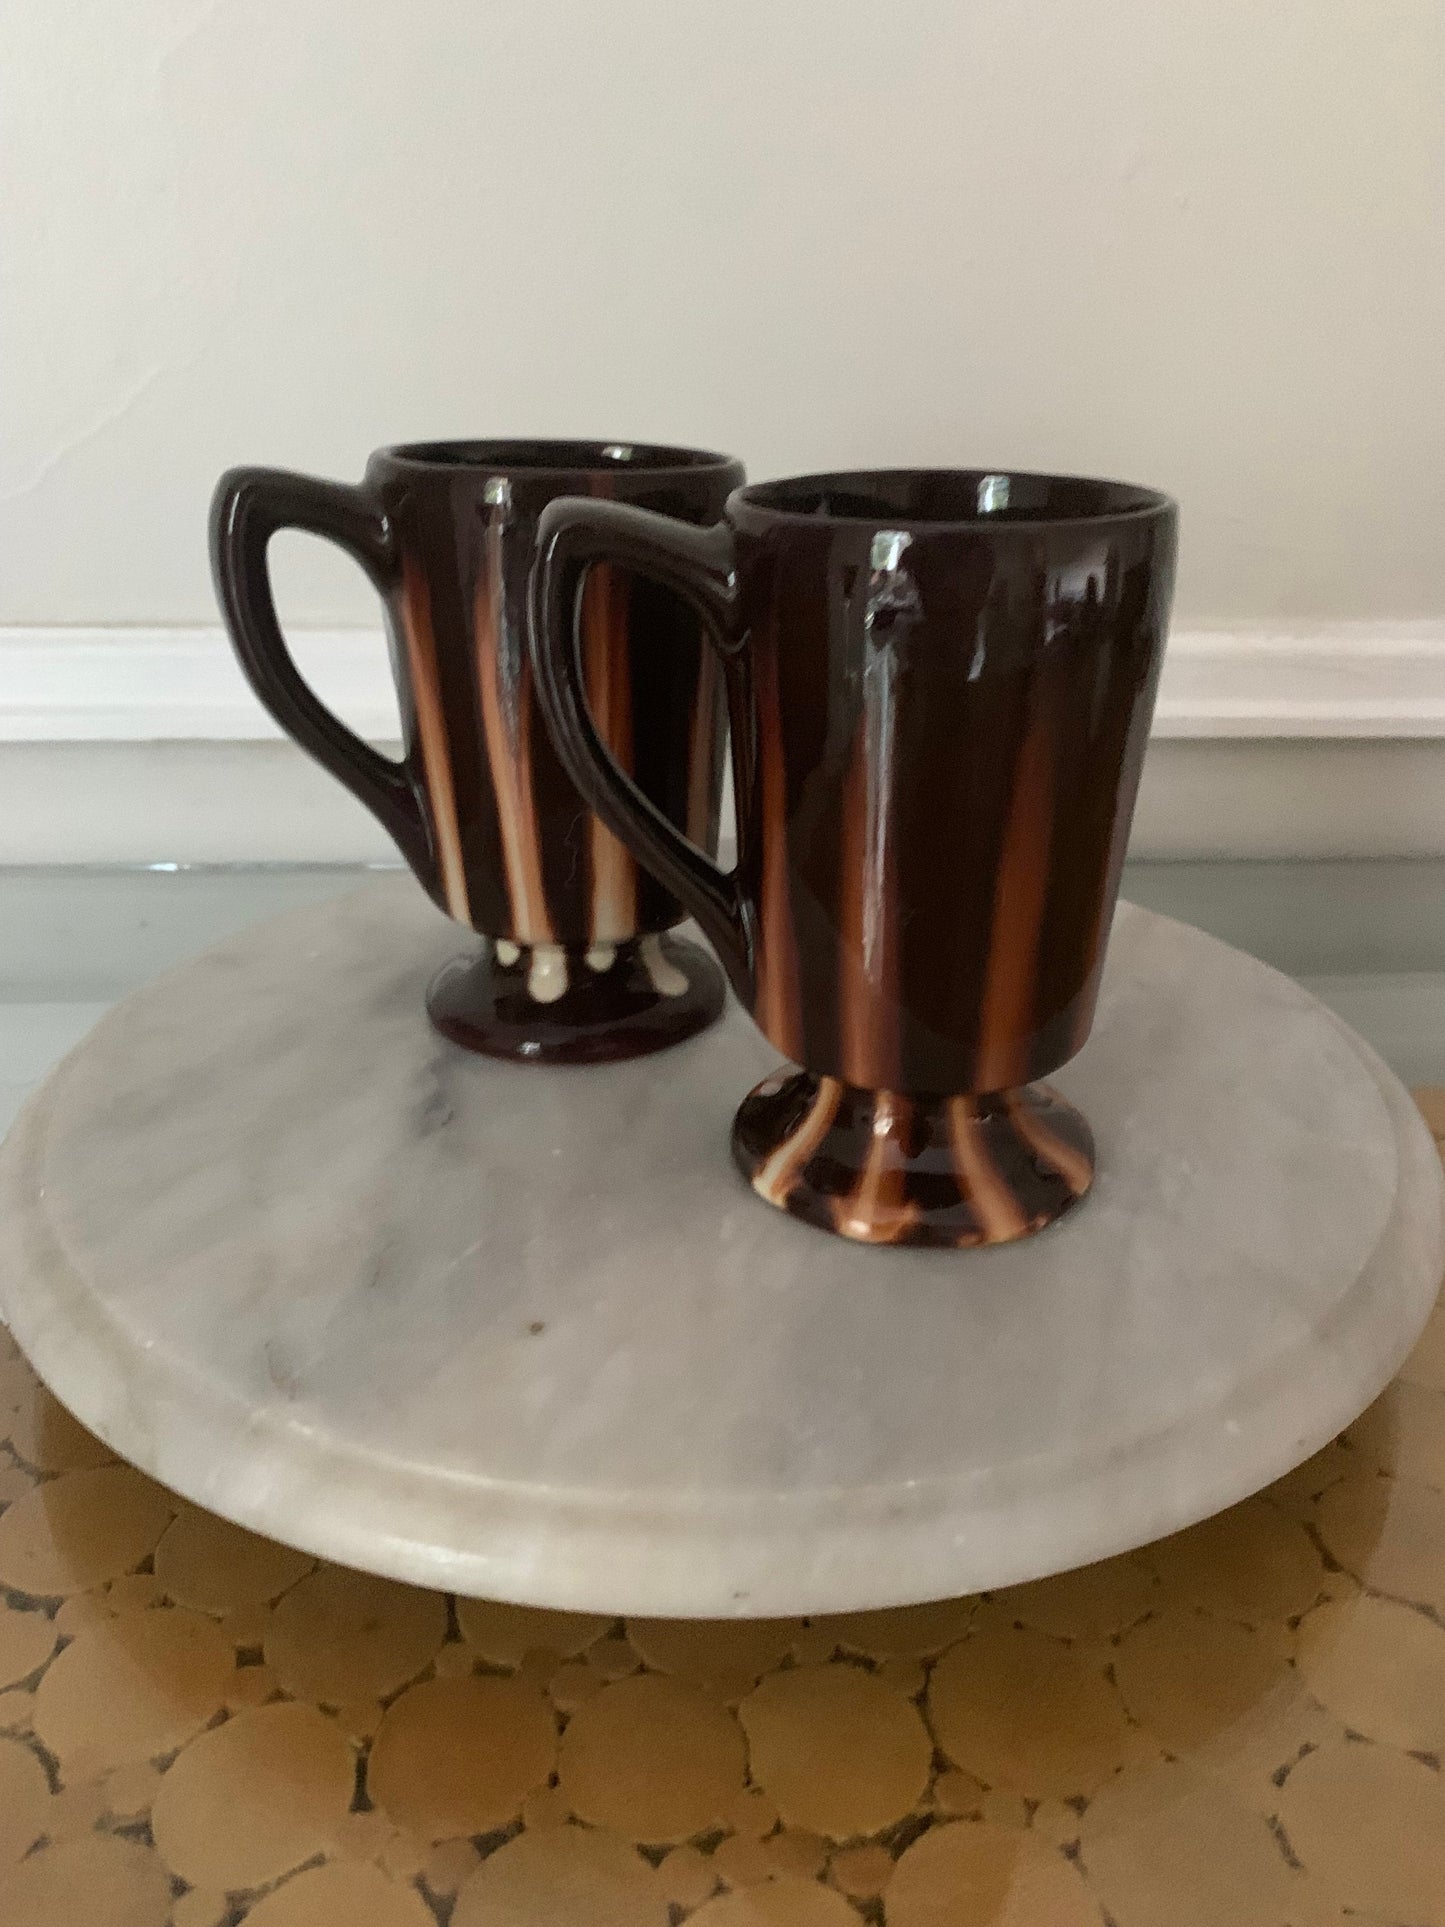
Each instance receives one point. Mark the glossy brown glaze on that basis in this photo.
(480, 805)
(886, 1169)
(940, 685)
(576, 1004)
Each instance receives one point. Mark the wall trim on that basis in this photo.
(114, 684)
(138, 685)
(145, 746)
(1354, 679)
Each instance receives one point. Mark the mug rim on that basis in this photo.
(553, 456)
(1136, 502)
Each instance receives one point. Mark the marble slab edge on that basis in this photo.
(552, 1546)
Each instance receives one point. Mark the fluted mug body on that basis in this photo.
(575, 962)
(940, 686)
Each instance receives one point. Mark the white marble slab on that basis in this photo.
(524, 1332)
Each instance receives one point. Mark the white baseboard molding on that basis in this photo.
(120, 685)
(1358, 679)
(146, 746)
(1369, 679)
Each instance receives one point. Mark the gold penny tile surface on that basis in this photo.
(1243, 1724)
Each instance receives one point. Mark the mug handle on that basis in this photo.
(698, 564)
(249, 506)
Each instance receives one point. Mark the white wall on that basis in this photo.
(1193, 242)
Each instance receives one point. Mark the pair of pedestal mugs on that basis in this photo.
(937, 685)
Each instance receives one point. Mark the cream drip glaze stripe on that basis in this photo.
(431, 733)
(1072, 1166)
(877, 1210)
(608, 673)
(999, 1213)
(506, 728)
(775, 1179)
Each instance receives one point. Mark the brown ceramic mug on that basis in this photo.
(576, 966)
(940, 686)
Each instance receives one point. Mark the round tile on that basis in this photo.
(1403, 1432)
(652, 1757)
(207, 1562)
(200, 1907)
(1296, 1493)
(255, 1685)
(564, 1875)
(1251, 1563)
(449, 1863)
(613, 1658)
(456, 1660)
(971, 1874)
(251, 1800)
(688, 1877)
(46, 1436)
(862, 1872)
(1370, 1825)
(504, 1634)
(402, 1854)
(777, 1903)
(959, 1794)
(15, 1482)
(1168, 1846)
(751, 1814)
(1390, 1533)
(545, 1807)
(75, 1810)
(341, 1636)
(458, 1756)
(99, 1879)
(837, 1750)
(1380, 1668)
(133, 1592)
(24, 1796)
(742, 1861)
(82, 1610)
(902, 1674)
(347, 1894)
(129, 1790)
(159, 1675)
(1023, 1711)
(15, 1384)
(1091, 1602)
(916, 1632)
(359, 1719)
(1426, 1364)
(79, 1530)
(573, 1684)
(796, 1850)
(1186, 1675)
(709, 1650)
(27, 1639)
(17, 1710)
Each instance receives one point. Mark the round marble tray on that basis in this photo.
(1237, 1726)
(522, 1332)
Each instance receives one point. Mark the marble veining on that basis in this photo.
(524, 1332)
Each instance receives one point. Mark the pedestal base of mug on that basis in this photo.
(576, 1003)
(886, 1169)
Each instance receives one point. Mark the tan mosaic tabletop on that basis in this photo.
(1242, 1725)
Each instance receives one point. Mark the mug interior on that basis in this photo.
(952, 495)
(555, 456)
